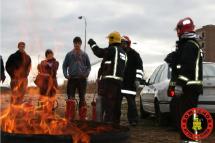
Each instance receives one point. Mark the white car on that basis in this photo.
(154, 99)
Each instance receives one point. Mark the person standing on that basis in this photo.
(133, 76)
(2, 71)
(46, 79)
(187, 64)
(111, 75)
(76, 68)
(18, 67)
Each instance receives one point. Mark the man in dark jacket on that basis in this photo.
(18, 67)
(133, 75)
(187, 64)
(112, 69)
(2, 71)
(76, 68)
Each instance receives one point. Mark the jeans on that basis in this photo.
(80, 84)
(19, 88)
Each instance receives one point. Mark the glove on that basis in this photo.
(3, 78)
(178, 90)
(143, 82)
(170, 58)
(91, 42)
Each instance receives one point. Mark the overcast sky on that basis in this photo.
(53, 24)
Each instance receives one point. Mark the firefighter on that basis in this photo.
(46, 79)
(18, 67)
(112, 69)
(76, 68)
(133, 75)
(2, 78)
(187, 64)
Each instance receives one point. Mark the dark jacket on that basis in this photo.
(76, 65)
(113, 63)
(49, 67)
(18, 65)
(2, 70)
(133, 70)
(187, 64)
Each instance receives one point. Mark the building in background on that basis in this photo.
(208, 42)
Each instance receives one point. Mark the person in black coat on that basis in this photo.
(18, 67)
(186, 63)
(133, 75)
(2, 71)
(111, 75)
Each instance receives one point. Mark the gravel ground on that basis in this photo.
(147, 131)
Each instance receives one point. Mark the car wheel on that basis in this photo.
(143, 113)
(161, 118)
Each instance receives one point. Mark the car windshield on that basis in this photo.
(209, 70)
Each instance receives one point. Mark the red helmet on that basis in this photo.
(185, 25)
(126, 39)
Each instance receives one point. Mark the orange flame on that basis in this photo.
(27, 119)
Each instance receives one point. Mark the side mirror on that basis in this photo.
(144, 82)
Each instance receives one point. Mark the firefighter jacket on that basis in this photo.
(187, 64)
(113, 63)
(18, 65)
(133, 72)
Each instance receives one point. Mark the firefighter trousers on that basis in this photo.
(110, 90)
(187, 101)
(132, 114)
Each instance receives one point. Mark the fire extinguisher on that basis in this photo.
(93, 104)
(97, 112)
(99, 109)
(70, 109)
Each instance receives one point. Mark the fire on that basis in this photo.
(29, 119)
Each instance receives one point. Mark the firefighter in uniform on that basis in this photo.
(133, 75)
(112, 69)
(187, 62)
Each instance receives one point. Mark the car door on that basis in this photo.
(155, 87)
(147, 94)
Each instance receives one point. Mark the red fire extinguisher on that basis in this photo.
(70, 109)
(93, 104)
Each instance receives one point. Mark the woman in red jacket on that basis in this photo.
(46, 79)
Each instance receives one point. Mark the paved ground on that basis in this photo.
(147, 130)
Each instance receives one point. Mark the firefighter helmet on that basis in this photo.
(114, 37)
(185, 25)
(126, 39)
